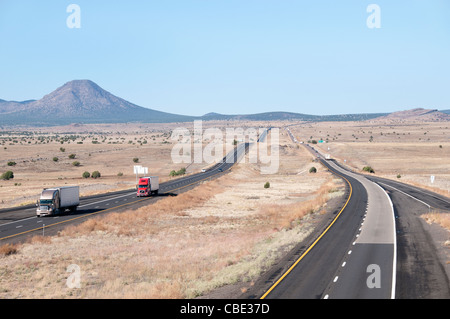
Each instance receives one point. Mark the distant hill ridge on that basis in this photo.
(417, 114)
(83, 101)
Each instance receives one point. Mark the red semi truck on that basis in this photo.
(148, 186)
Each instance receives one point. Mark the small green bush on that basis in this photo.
(76, 163)
(7, 175)
(12, 163)
(368, 169)
(267, 185)
(72, 156)
(86, 175)
(313, 170)
(136, 160)
(55, 159)
(182, 171)
(96, 174)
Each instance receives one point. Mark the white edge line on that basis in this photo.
(394, 262)
(429, 206)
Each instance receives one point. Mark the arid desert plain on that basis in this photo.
(214, 241)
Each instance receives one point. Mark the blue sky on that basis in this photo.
(233, 56)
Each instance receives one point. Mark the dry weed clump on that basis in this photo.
(40, 240)
(442, 219)
(8, 249)
(11, 249)
(89, 226)
(283, 216)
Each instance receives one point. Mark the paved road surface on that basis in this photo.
(354, 257)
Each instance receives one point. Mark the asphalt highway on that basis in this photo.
(423, 271)
(370, 268)
(354, 257)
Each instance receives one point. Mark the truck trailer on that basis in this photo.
(57, 200)
(148, 186)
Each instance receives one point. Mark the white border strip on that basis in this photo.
(394, 262)
(429, 206)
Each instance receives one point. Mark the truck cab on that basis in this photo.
(56, 200)
(148, 186)
(48, 204)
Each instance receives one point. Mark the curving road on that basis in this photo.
(423, 272)
(369, 270)
(376, 247)
(354, 257)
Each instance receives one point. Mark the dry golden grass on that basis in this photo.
(8, 249)
(284, 215)
(442, 219)
(146, 220)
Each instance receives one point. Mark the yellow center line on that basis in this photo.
(313, 244)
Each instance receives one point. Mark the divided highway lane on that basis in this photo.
(392, 255)
(354, 257)
(369, 269)
(422, 196)
(18, 224)
(310, 275)
(422, 272)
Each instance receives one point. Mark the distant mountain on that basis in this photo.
(418, 114)
(80, 101)
(12, 106)
(83, 101)
(445, 111)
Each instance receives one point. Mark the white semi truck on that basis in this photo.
(57, 200)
